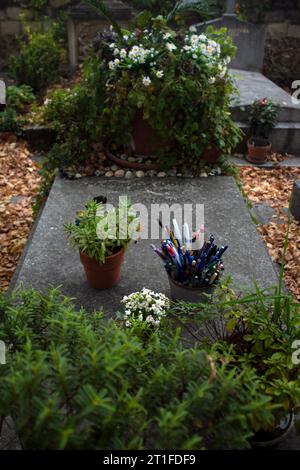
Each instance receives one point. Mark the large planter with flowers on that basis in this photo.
(168, 92)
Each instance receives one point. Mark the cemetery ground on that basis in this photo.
(99, 357)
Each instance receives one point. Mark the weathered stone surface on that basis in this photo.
(295, 200)
(51, 261)
(249, 39)
(10, 27)
(253, 86)
(13, 13)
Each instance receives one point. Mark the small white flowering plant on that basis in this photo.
(180, 81)
(145, 308)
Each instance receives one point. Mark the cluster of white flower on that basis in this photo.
(145, 306)
(136, 55)
(201, 46)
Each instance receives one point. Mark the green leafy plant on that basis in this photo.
(76, 381)
(179, 83)
(38, 61)
(71, 113)
(117, 226)
(263, 117)
(257, 331)
(9, 121)
(19, 97)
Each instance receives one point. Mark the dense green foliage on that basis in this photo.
(9, 121)
(19, 97)
(72, 114)
(100, 233)
(182, 88)
(38, 61)
(74, 381)
(260, 331)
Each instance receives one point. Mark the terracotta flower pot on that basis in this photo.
(258, 154)
(143, 136)
(103, 276)
(211, 155)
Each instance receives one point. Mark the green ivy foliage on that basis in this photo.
(75, 381)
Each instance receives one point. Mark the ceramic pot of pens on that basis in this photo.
(194, 266)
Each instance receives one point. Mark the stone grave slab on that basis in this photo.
(49, 260)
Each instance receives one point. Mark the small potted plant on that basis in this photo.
(263, 118)
(102, 237)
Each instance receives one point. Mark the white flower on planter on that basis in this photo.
(125, 37)
(167, 36)
(195, 56)
(117, 62)
(127, 323)
(212, 80)
(159, 74)
(123, 53)
(111, 65)
(146, 81)
(170, 46)
(193, 29)
(116, 51)
(112, 45)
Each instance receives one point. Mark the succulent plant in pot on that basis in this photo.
(263, 117)
(102, 237)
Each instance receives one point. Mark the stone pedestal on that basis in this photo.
(295, 201)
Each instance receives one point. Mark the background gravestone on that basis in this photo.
(2, 95)
(248, 38)
(295, 201)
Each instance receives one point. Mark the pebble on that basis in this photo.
(114, 167)
(179, 175)
(123, 157)
(119, 173)
(149, 162)
(140, 174)
(203, 175)
(152, 173)
(78, 175)
(161, 174)
(129, 175)
(99, 173)
(131, 159)
(109, 173)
